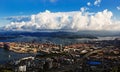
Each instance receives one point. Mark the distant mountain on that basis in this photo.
(62, 34)
(58, 37)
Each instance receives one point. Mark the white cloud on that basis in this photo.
(118, 7)
(97, 2)
(17, 18)
(89, 4)
(51, 1)
(76, 20)
(83, 9)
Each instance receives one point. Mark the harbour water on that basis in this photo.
(6, 56)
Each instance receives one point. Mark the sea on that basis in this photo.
(7, 56)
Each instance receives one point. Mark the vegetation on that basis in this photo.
(5, 70)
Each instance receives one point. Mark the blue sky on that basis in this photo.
(28, 7)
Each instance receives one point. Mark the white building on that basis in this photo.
(22, 68)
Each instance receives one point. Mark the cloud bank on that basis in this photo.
(76, 20)
(18, 18)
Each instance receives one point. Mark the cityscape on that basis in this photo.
(59, 36)
(91, 56)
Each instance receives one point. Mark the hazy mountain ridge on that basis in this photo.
(61, 34)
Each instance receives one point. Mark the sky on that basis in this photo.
(19, 14)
